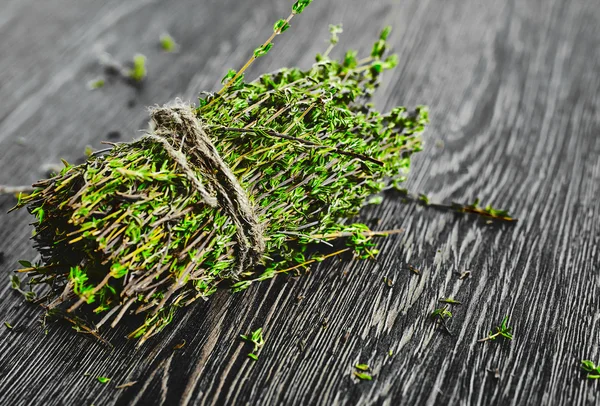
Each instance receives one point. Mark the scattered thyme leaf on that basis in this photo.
(363, 376)
(96, 83)
(103, 379)
(450, 300)
(441, 316)
(390, 353)
(414, 270)
(442, 313)
(138, 72)
(362, 367)
(8, 325)
(167, 43)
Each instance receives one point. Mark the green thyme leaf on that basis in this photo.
(300, 5)
(15, 282)
(167, 43)
(449, 300)
(138, 72)
(263, 50)
(334, 30)
(96, 83)
(281, 26)
(363, 376)
(385, 33)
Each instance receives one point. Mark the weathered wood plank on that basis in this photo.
(513, 90)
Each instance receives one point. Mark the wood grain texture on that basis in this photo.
(513, 89)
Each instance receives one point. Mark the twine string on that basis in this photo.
(218, 187)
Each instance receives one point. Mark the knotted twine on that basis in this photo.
(180, 133)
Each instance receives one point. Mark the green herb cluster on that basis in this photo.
(127, 232)
(593, 370)
(503, 330)
(256, 338)
(441, 316)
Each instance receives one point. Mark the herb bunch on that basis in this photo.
(128, 231)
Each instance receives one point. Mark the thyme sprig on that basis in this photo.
(441, 316)
(279, 27)
(15, 283)
(488, 211)
(256, 338)
(503, 330)
(593, 370)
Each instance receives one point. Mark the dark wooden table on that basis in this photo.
(513, 89)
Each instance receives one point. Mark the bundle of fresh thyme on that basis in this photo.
(233, 191)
